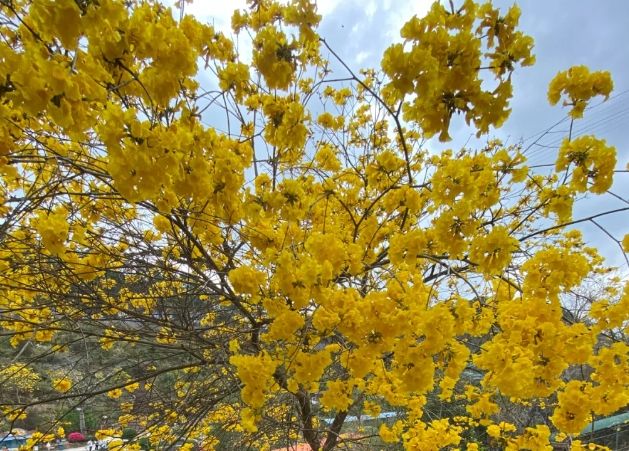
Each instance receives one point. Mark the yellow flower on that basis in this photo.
(327, 159)
(54, 229)
(371, 409)
(16, 415)
(494, 431)
(591, 161)
(247, 280)
(387, 435)
(285, 325)
(579, 85)
(132, 387)
(162, 224)
(326, 120)
(62, 385)
(256, 372)
(115, 393)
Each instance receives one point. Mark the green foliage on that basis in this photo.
(144, 443)
(73, 422)
(129, 433)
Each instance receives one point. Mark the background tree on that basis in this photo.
(18, 381)
(311, 260)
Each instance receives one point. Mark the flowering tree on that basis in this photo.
(311, 259)
(17, 380)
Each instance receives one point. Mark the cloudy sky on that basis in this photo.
(566, 33)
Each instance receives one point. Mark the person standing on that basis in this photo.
(90, 445)
(48, 446)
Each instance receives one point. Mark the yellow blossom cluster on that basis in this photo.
(594, 162)
(442, 66)
(579, 85)
(62, 385)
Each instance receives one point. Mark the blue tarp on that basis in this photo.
(606, 423)
(13, 441)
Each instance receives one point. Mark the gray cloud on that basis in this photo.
(566, 33)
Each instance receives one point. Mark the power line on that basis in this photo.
(599, 127)
(592, 123)
(548, 130)
(586, 124)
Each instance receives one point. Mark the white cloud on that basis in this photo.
(325, 7)
(362, 56)
(394, 12)
(400, 11)
(370, 9)
(216, 13)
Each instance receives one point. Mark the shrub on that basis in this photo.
(129, 433)
(74, 437)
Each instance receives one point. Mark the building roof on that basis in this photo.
(306, 447)
(606, 423)
(8, 437)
